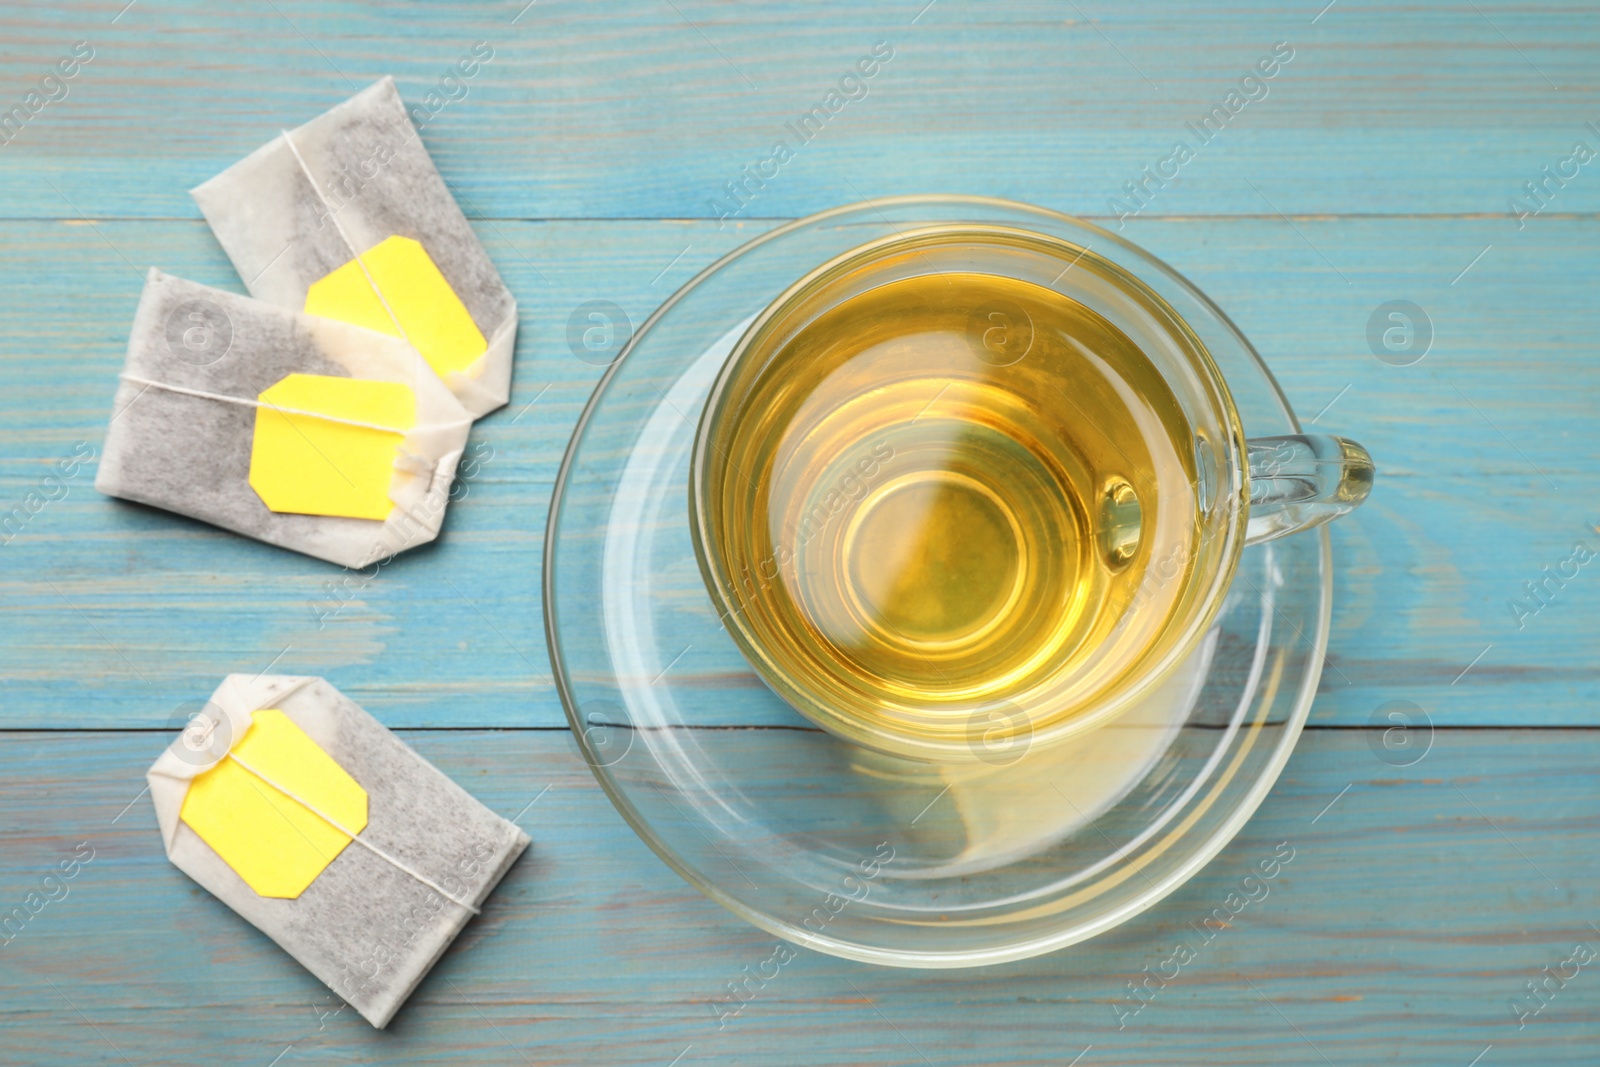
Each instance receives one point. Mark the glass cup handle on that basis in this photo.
(1303, 480)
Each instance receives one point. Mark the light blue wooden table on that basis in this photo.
(1381, 164)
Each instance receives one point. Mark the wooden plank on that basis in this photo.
(1421, 899)
(620, 109)
(1418, 903)
(116, 614)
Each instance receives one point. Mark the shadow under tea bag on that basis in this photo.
(303, 432)
(347, 217)
(325, 831)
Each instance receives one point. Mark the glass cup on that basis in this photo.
(1150, 550)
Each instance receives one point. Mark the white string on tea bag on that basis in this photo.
(333, 216)
(246, 402)
(355, 837)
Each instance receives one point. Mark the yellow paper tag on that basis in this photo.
(434, 319)
(276, 844)
(306, 465)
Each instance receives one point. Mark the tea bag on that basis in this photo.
(303, 432)
(348, 218)
(329, 834)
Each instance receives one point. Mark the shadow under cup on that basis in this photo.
(967, 490)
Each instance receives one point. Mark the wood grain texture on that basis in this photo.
(590, 152)
(623, 109)
(117, 613)
(1414, 909)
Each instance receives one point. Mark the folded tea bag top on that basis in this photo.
(303, 432)
(333, 837)
(347, 217)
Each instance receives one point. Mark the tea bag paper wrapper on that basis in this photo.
(354, 191)
(373, 920)
(273, 424)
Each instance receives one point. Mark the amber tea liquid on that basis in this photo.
(949, 494)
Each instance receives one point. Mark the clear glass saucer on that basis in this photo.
(852, 852)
